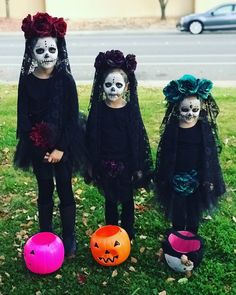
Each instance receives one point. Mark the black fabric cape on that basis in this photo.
(212, 185)
(139, 144)
(63, 114)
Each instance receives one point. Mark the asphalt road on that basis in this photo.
(161, 56)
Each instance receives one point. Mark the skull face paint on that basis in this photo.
(114, 86)
(189, 109)
(45, 52)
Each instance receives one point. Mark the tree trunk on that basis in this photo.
(163, 4)
(7, 8)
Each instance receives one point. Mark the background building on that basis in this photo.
(90, 9)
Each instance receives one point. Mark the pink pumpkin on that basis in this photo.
(44, 253)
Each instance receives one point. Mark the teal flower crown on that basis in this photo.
(187, 85)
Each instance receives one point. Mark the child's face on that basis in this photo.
(189, 109)
(114, 86)
(45, 52)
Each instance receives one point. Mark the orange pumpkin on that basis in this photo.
(110, 245)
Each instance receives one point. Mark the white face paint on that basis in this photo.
(114, 86)
(46, 52)
(189, 109)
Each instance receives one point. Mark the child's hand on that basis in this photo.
(54, 157)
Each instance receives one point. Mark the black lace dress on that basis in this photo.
(188, 176)
(114, 167)
(52, 105)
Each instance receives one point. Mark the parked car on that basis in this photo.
(221, 17)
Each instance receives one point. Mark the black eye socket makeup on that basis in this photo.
(39, 50)
(119, 85)
(108, 84)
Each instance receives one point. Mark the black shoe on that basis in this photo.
(70, 247)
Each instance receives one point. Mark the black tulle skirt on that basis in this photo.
(75, 154)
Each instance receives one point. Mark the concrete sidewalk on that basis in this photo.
(148, 23)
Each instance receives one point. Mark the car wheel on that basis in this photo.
(196, 27)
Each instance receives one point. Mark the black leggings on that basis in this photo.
(127, 215)
(186, 213)
(63, 174)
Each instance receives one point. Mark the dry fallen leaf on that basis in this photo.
(183, 280)
(161, 237)
(85, 221)
(208, 217)
(162, 293)
(27, 225)
(7, 274)
(134, 260)
(131, 268)
(114, 273)
(58, 277)
(141, 207)
(81, 278)
(74, 180)
(78, 192)
(6, 150)
(142, 249)
(170, 280)
(89, 232)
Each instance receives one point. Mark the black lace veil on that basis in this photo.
(212, 183)
(140, 148)
(62, 85)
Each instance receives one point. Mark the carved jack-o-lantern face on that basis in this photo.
(110, 245)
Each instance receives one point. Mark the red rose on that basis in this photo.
(59, 27)
(26, 26)
(115, 58)
(131, 63)
(41, 135)
(100, 61)
(42, 25)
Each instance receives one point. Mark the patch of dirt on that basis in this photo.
(152, 23)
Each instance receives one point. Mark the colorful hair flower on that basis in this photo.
(115, 59)
(43, 25)
(187, 85)
(204, 88)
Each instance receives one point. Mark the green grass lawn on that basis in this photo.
(141, 273)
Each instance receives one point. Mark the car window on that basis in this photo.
(224, 10)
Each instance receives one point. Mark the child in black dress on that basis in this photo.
(116, 137)
(188, 174)
(50, 138)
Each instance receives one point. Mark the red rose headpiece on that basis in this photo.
(115, 59)
(43, 25)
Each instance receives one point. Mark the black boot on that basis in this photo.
(68, 230)
(45, 217)
(127, 218)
